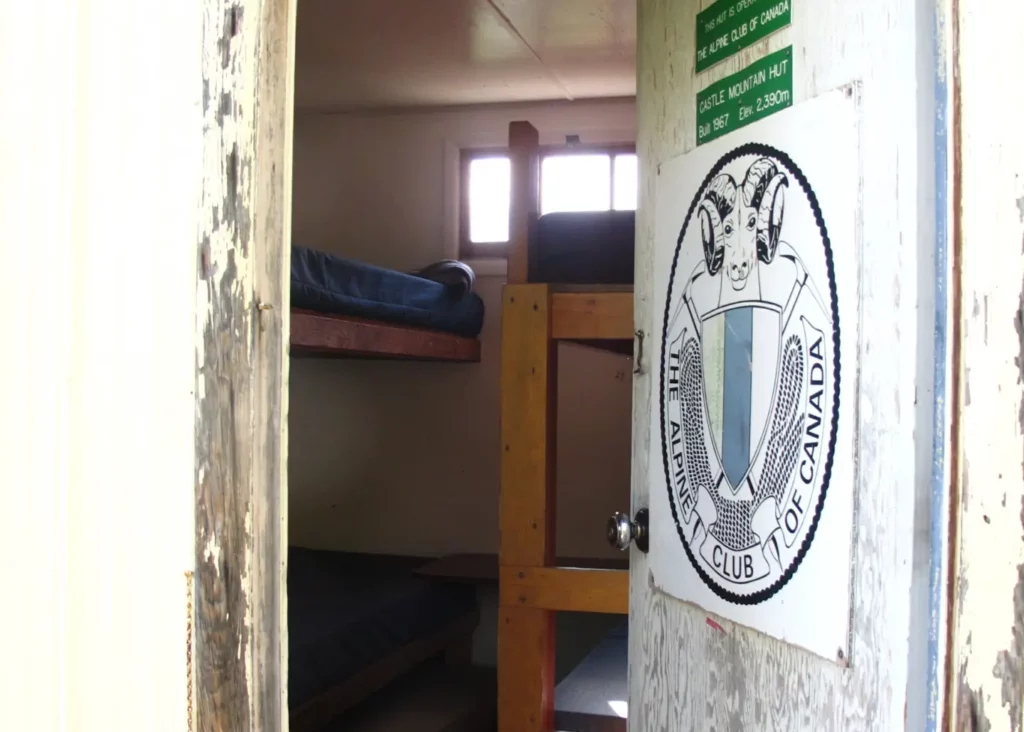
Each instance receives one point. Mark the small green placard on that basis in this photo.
(729, 26)
(761, 89)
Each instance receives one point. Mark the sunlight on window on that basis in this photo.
(489, 191)
(626, 183)
(575, 183)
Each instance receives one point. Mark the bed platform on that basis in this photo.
(344, 308)
(357, 622)
(569, 279)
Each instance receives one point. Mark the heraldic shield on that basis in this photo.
(739, 346)
(749, 387)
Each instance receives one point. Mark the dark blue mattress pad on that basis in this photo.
(346, 611)
(331, 284)
(583, 248)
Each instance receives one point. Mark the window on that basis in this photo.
(571, 179)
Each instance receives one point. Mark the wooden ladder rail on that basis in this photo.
(531, 590)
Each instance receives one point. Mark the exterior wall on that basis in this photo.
(101, 151)
(688, 673)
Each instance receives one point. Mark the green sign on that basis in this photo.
(729, 26)
(761, 89)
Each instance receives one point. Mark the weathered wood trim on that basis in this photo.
(567, 589)
(241, 365)
(986, 681)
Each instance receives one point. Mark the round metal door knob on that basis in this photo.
(622, 531)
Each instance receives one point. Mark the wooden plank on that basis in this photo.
(986, 599)
(241, 366)
(524, 157)
(592, 316)
(687, 674)
(528, 428)
(483, 568)
(594, 696)
(526, 637)
(324, 334)
(526, 670)
(565, 589)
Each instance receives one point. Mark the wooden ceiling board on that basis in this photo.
(362, 54)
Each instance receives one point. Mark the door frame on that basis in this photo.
(238, 648)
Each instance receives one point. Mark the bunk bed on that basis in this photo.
(345, 308)
(358, 622)
(570, 278)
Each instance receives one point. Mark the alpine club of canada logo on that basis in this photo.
(750, 374)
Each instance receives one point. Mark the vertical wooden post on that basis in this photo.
(524, 156)
(526, 637)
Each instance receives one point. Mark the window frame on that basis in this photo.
(499, 250)
(467, 248)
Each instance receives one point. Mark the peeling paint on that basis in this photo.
(970, 707)
(1009, 667)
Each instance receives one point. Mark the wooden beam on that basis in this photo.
(592, 316)
(524, 158)
(526, 637)
(342, 335)
(528, 427)
(241, 430)
(483, 568)
(565, 589)
(526, 670)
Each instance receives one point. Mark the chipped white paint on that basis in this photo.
(687, 673)
(988, 612)
(213, 551)
(101, 149)
(241, 320)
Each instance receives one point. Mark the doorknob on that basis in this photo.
(622, 531)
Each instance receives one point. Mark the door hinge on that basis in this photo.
(639, 352)
(189, 642)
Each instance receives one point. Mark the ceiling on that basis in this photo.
(361, 54)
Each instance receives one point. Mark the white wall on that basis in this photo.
(735, 677)
(404, 457)
(102, 157)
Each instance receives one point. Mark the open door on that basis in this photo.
(787, 275)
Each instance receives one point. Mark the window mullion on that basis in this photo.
(611, 182)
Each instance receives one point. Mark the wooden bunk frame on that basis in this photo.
(535, 317)
(344, 336)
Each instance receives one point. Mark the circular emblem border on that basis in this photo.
(756, 148)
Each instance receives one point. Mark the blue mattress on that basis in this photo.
(583, 248)
(346, 611)
(331, 284)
